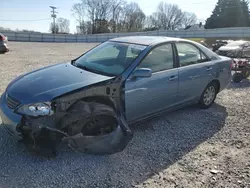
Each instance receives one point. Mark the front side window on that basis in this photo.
(159, 59)
(109, 58)
(189, 54)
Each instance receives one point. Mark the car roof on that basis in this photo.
(145, 40)
(237, 42)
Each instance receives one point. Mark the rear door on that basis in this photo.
(145, 96)
(195, 71)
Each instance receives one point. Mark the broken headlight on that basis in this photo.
(37, 109)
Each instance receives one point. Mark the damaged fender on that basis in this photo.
(105, 144)
(72, 109)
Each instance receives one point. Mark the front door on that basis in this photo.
(195, 72)
(145, 96)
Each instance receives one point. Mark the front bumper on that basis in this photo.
(10, 120)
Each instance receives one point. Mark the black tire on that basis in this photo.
(204, 102)
(90, 119)
(237, 77)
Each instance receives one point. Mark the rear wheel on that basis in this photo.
(208, 96)
(237, 77)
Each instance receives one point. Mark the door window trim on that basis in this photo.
(190, 43)
(175, 64)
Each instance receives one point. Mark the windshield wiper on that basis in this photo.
(92, 70)
(73, 62)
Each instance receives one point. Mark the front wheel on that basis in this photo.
(208, 96)
(90, 119)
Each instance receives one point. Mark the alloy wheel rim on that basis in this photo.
(209, 95)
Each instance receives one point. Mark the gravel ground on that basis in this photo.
(187, 148)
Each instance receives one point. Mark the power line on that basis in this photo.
(25, 20)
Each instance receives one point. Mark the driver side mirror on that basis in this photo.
(142, 72)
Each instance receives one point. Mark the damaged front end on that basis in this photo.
(72, 120)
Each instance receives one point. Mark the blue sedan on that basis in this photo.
(90, 102)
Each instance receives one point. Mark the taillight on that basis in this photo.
(232, 64)
(2, 37)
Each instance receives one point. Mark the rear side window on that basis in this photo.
(189, 54)
(159, 59)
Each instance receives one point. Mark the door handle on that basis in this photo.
(172, 78)
(194, 77)
(209, 68)
(223, 70)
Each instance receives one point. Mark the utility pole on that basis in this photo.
(53, 16)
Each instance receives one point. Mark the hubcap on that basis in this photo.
(209, 95)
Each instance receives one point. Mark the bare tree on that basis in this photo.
(120, 16)
(63, 25)
(189, 19)
(54, 28)
(116, 6)
(98, 11)
(134, 17)
(88, 26)
(169, 16)
(120, 19)
(153, 22)
(79, 13)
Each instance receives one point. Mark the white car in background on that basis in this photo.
(3, 43)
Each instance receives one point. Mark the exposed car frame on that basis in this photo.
(218, 44)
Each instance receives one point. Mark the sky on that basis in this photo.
(16, 14)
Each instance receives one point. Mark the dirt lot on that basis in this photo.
(187, 148)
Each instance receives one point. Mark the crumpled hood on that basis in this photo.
(47, 83)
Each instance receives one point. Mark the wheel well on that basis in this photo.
(217, 83)
(100, 99)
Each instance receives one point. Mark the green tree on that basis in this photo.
(229, 13)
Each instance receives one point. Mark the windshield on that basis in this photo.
(109, 58)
